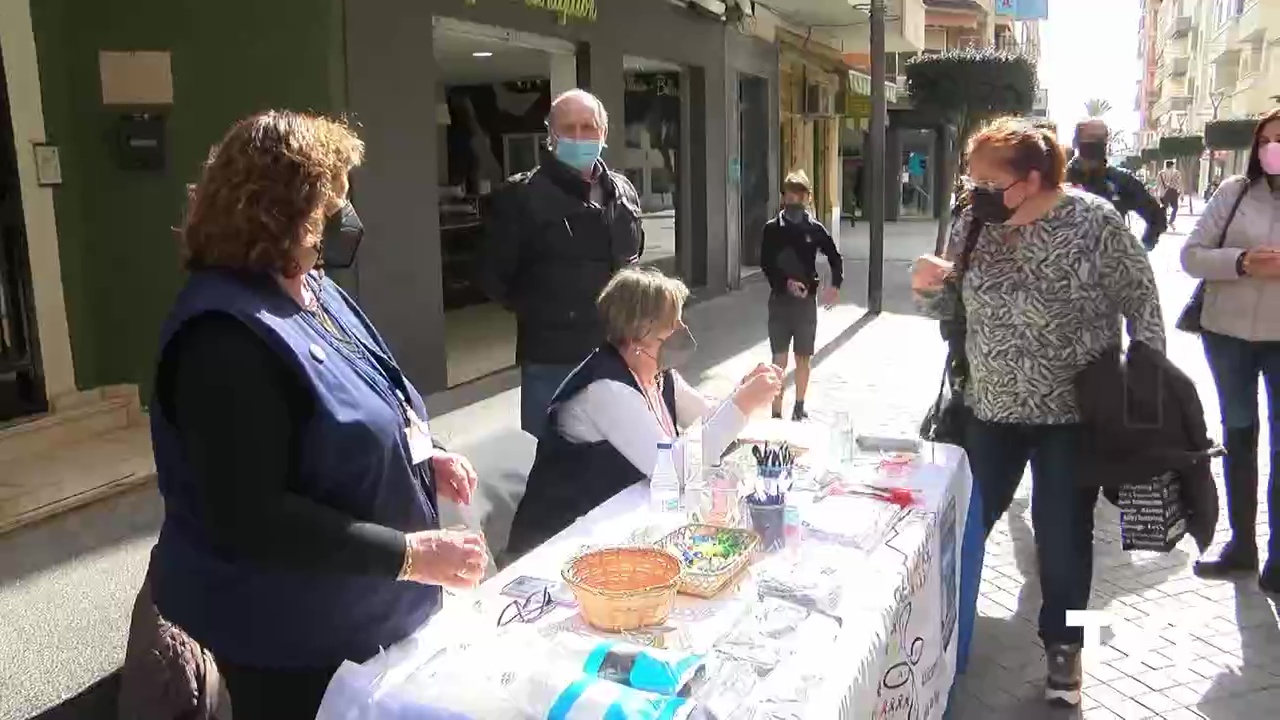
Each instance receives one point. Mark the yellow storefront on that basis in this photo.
(812, 86)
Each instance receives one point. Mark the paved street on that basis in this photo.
(66, 585)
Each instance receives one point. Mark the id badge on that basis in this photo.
(419, 438)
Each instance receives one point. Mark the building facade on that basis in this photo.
(825, 87)
(109, 112)
(1215, 60)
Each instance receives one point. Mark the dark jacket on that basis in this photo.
(569, 479)
(1126, 193)
(1145, 418)
(549, 251)
(789, 251)
(354, 460)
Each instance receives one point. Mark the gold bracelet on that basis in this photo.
(406, 569)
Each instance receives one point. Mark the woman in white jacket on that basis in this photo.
(1235, 248)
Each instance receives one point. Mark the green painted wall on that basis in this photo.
(119, 251)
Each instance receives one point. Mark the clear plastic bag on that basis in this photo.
(666, 672)
(813, 581)
(559, 689)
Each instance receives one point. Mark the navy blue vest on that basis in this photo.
(569, 479)
(355, 459)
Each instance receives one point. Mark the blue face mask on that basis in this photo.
(578, 154)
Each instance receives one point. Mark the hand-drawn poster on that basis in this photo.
(918, 666)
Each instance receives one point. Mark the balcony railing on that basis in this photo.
(1005, 43)
(1170, 103)
(1174, 67)
(1179, 26)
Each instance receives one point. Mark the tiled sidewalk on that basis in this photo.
(1182, 647)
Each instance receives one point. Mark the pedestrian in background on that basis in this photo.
(1235, 249)
(553, 238)
(788, 257)
(1090, 171)
(1169, 189)
(1041, 291)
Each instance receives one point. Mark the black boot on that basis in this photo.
(1269, 580)
(1240, 470)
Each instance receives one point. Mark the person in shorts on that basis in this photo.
(788, 257)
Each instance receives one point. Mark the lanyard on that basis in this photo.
(360, 353)
(657, 407)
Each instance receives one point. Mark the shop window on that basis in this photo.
(493, 99)
(651, 159)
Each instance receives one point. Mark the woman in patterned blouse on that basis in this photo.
(1052, 273)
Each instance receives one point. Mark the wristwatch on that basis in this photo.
(1240, 260)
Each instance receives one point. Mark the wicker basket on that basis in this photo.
(624, 588)
(709, 584)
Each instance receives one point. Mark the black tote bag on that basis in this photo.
(945, 420)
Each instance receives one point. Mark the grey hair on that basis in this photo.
(602, 115)
(639, 301)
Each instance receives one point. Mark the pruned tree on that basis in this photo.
(965, 88)
(1120, 143)
(1096, 107)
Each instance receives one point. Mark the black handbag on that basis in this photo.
(946, 418)
(1189, 318)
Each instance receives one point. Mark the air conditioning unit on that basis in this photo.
(819, 100)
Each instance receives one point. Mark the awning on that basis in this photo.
(860, 84)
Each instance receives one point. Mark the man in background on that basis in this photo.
(553, 238)
(788, 257)
(1169, 189)
(1090, 171)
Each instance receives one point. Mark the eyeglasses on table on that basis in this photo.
(527, 610)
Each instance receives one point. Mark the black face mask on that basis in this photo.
(341, 238)
(988, 205)
(1093, 150)
(676, 350)
(793, 212)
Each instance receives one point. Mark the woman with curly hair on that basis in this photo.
(299, 478)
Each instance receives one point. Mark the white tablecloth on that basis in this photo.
(893, 656)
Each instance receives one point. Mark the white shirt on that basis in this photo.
(615, 412)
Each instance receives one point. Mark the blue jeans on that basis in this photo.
(1236, 365)
(1061, 508)
(538, 385)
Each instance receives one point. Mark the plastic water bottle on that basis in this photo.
(844, 446)
(664, 484)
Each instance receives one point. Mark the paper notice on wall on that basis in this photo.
(136, 78)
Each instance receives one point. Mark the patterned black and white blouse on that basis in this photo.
(1042, 301)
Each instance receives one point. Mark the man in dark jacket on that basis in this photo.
(788, 257)
(1089, 170)
(553, 238)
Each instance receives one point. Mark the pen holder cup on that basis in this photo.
(769, 522)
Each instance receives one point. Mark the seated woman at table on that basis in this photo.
(607, 419)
